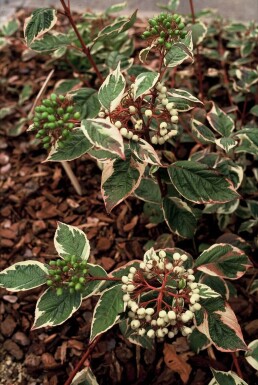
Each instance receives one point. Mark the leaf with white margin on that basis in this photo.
(202, 132)
(254, 286)
(144, 53)
(180, 52)
(130, 334)
(226, 143)
(220, 325)
(104, 135)
(143, 83)
(184, 101)
(150, 255)
(199, 31)
(206, 291)
(148, 191)
(73, 148)
(112, 90)
(40, 21)
(226, 378)
(220, 121)
(92, 287)
(24, 276)
(223, 260)
(120, 178)
(85, 377)
(251, 356)
(70, 240)
(107, 311)
(224, 208)
(145, 152)
(53, 309)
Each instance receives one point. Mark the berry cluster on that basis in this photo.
(68, 272)
(54, 119)
(142, 118)
(160, 296)
(165, 29)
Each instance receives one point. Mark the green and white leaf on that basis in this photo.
(70, 240)
(40, 22)
(184, 101)
(226, 378)
(179, 217)
(71, 149)
(103, 135)
(254, 110)
(50, 42)
(116, 8)
(120, 178)
(226, 143)
(220, 121)
(24, 276)
(10, 27)
(143, 54)
(145, 152)
(222, 208)
(198, 341)
(200, 184)
(202, 132)
(223, 260)
(112, 90)
(92, 287)
(199, 32)
(53, 310)
(206, 291)
(251, 356)
(177, 55)
(254, 286)
(116, 28)
(130, 334)
(85, 377)
(106, 313)
(143, 83)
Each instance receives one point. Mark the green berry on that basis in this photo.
(38, 136)
(52, 272)
(70, 126)
(61, 144)
(82, 279)
(74, 259)
(85, 271)
(168, 25)
(52, 126)
(65, 269)
(53, 97)
(178, 20)
(37, 124)
(152, 22)
(168, 45)
(66, 117)
(60, 122)
(51, 118)
(46, 139)
(177, 32)
(67, 258)
(38, 109)
(60, 111)
(61, 98)
(57, 277)
(46, 145)
(78, 287)
(175, 16)
(181, 26)
(69, 109)
(50, 110)
(71, 284)
(71, 290)
(58, 262)
(146, 34)
(49, 282)
(59, 291)
(44, 115)
(160, 40)
(47, 103)
(65, 133)
(77, 115)
(162, 34)
(84, 263)
(74, 279)
(52, 263)
(76, 265)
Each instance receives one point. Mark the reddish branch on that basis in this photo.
(85, 49)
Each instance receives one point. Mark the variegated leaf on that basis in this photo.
(184, 101)
(200, 184)
(103, 135)
(53, 309)
(120, 178)
(132, 335)
(220, 121)
(71, 149)
(112, 90)
(40, 21)
(50, 42)
(179, 217)
(223, 260)
(92, 287)
(145, 152)
(143, 83)
(70, 240)
(226, 378)
(178, 54)
(206, 291)
(199, 31)
(85, 377)
(106, 313)
(251, 356)
(202, 132)
(148, 191)
(24, 276)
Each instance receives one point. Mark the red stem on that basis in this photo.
(85, 49)
(238, 369)
(83, 359)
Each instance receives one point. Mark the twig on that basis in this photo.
(72, 177)
(85, 49)
(41, 91)
(238, 369)
(83, 359)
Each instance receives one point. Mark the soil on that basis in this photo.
(34, 196)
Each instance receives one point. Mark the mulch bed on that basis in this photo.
(33, 197)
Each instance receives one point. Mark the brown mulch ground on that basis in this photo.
(33, 197)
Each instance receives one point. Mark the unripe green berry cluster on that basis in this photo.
(54, 120)
(165, 29)
(166, 316)
(68, 272)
